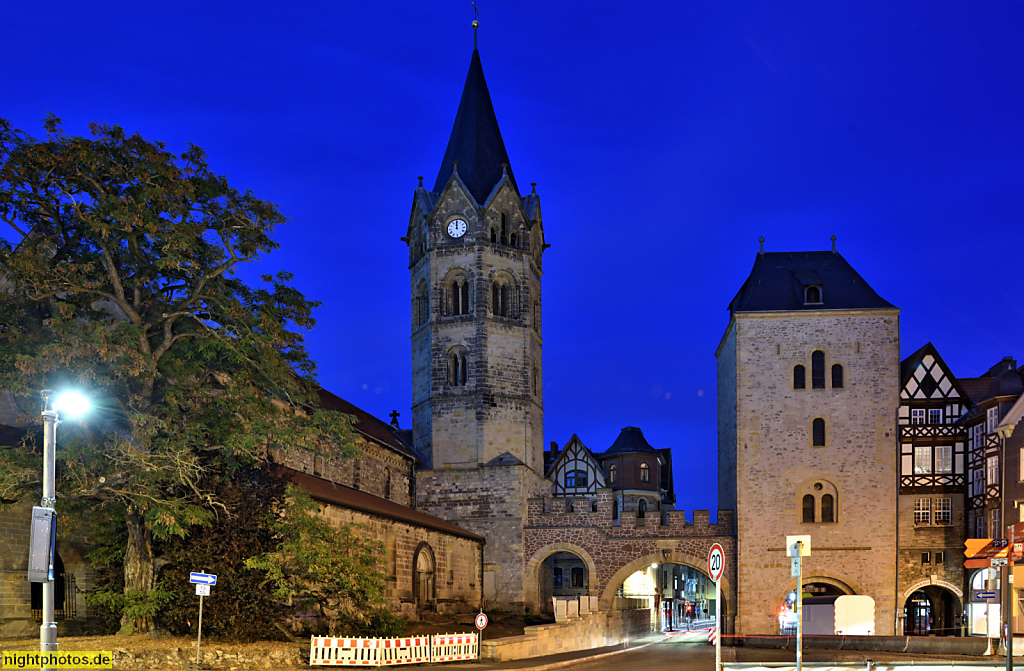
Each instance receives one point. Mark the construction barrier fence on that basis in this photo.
(330, 651)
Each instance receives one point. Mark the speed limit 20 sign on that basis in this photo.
(716, 562)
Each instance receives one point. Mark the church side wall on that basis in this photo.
(456, 575)
(778, 465)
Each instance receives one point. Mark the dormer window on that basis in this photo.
(812, 294)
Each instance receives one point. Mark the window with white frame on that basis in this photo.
(922, 511)
(979, 526)
(917, 415)
(992, 471)
(943, 458)
(979, 484)
(978, 436)
(995, 526)
(943, 510)
(922, 459)
(992, 418)
(935, 416)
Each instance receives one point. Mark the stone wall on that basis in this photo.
(456, 563)
(595, 630)
(491, 502)
(15, 590)
(776, 464)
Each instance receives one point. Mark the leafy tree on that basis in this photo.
(335, 571)
(119, 275)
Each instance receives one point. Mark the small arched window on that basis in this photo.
(613, 472)
(808, 509)
(837, 376)
(460, 296)
(818, 369)
(799, 377)
(457, 368)
(576, 479)
(818, 432)
(387, 483)
(593, 506)
(422, 306)
(615, 509)
(512, 239)
(645, 472)
(504, 229)
(641, 508)
(500, 299)
(494, 234)
(827, 509)
(812, 295)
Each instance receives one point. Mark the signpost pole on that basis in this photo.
(799, 607)
(1008, 607)
(199, 640)
(718, 625)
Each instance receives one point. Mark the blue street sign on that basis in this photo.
(203, 578)
(985, 595)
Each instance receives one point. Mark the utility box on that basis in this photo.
(42, 542)
(855, 615)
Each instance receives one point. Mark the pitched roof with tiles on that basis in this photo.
(366, 424)
(778, 279)
(348, 497)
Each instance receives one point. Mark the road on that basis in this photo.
(690, 651)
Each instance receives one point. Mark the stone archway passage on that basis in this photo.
(932, 610)
(539, 583)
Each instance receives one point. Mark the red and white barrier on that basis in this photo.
(713, 636)
(450, 647)
(329, 651)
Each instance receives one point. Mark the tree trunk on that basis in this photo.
(139, 570)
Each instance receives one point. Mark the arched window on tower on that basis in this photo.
(812, 295)
(460, 289)
(799, 377)
(613, 472)
(422, 306)
(641, 508)
(504, 229)
(837, 376)
(500, 294)
(512, 239)
(457, 367)
(818, 369)
(818, 432)
(645, 472)
(827, 508)
(808, 509)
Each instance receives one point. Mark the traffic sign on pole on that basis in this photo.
(202, 578)
(716, 562)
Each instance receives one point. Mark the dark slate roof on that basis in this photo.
(1007, 383)
(504, 459)
(975, 388)
(348, 497)
(630, 441)
(366, 424)
(476, 140)
(531, 205)
(777, 282)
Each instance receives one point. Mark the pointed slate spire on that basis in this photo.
(476, 140)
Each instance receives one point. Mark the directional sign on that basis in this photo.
(984, 596)
(981, 548)
(716, 562)
(203, 578)
(481, 621)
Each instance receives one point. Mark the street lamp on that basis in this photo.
(72, 404)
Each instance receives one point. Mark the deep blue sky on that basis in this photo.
(665, 139)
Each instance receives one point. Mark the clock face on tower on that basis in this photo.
(457, 228)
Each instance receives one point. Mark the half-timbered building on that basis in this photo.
(932, 515)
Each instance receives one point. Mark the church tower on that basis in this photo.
(475, 247)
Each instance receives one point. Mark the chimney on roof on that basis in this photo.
(1007, 363)
(554, 447)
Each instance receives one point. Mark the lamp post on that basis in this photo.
(73, 404)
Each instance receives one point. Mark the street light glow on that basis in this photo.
(71, 404)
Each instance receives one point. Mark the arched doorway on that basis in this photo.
(812, 590)
(561, 574)
(423, 584)
(931, 611)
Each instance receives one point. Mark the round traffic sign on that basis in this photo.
(716, 562)
(481, 621)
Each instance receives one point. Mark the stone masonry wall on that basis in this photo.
(457, 561)
(776, 463)
(491, 502)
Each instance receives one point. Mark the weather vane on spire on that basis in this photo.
(476, 22)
